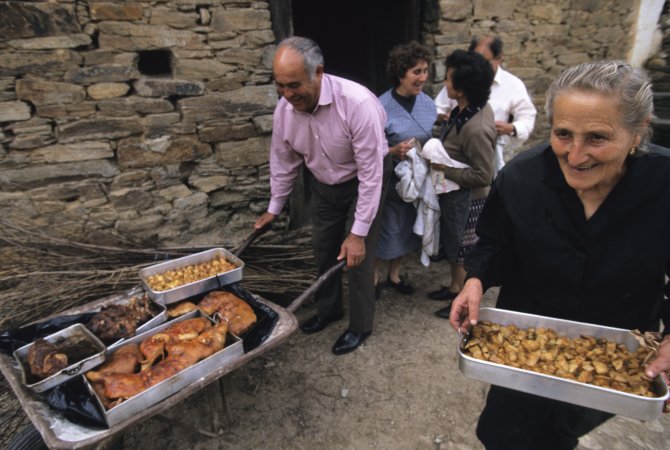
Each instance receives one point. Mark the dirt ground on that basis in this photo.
(401, 390)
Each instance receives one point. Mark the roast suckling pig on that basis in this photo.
(45, 359)
(116, 322)
(158, 357)
(237, 312)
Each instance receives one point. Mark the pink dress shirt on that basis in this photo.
(343, 138)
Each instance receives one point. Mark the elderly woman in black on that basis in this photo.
(469, 137)
(577, 230)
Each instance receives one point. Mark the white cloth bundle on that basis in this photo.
(434, 151)
(415, 186)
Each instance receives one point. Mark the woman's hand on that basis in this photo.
(400, 149)
(465, 309)
(661, 365)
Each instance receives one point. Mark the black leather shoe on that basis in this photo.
(402, 286)
(444, 312)
(349, 342)
(318, 323)
(442, 294)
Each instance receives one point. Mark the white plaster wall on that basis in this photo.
(647, 34)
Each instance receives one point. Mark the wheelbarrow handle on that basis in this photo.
(295, 304)
(252, 237)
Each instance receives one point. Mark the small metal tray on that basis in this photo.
(197, 287)
(159, 392)
(159, 318)
(80, 346)
(596, 397)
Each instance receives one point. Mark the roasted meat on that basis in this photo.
(181, 308)
(239, 315)
(125, 360)
(116, 322)
(159, 357)
(154, 347)
(45, 359)
(122, 385)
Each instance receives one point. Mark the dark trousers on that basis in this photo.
(514, 420)
(333, 208)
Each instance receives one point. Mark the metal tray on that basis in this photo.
(159, 318)
(197, 287)
(73, 340)
(172, 385)
(596, 397)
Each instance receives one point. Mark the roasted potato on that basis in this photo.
(585, 359)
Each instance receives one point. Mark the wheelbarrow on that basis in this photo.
(57, 432)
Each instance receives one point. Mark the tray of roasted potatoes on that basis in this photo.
(188, 276)
(583, 364)
(156, 364)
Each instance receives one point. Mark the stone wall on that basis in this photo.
(540, 38)
(153, 118)
(89, 141)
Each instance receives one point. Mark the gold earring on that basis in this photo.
(632, 151)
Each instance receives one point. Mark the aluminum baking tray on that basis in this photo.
(596, 397)
(159, 318)
(197, 287)
(172, 385)
(78, 343)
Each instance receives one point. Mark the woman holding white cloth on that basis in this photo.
(469, 137)
(409, 120)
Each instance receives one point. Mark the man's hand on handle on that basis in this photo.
(465, 309)
(353, 248)
(263, 220)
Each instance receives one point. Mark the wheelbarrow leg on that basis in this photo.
(213, 411)
(224, 403)
(216, 410)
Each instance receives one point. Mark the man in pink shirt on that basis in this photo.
(335, 127)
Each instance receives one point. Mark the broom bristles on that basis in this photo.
(41, 275)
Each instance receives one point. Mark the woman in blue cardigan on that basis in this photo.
(411, 115)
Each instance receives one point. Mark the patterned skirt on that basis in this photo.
(469, 236)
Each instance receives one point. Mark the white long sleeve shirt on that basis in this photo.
(509, 98)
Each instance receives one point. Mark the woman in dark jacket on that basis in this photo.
(469, 137)
(576, 230)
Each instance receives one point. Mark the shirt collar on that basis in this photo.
(326, 94)
(497, 79)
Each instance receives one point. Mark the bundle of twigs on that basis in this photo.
(41, 274)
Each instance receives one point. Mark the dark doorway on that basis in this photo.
(357, 35)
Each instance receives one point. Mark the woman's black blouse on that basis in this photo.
(536, 243)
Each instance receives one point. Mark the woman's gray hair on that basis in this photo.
(613, 78)
(310, 51)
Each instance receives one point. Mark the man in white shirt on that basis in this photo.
(513, 109)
